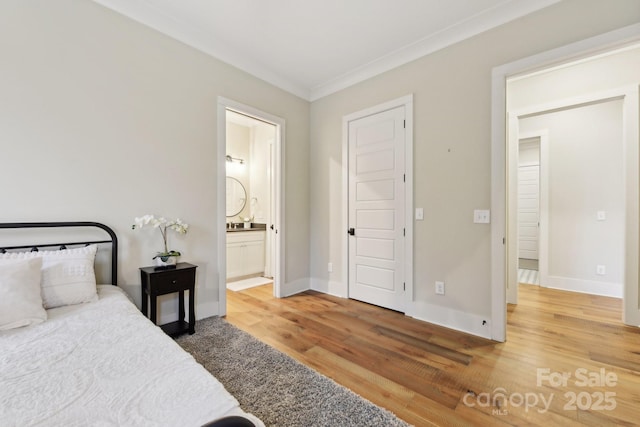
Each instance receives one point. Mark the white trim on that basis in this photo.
(498, 206)
(295, 287)
(513, 154)
(193, 36)
(631, 152)
(573, 102)
(329, 287)
(409, 205)
(500, 74)
(543, 237)
(342, 289)
(543, 244)
(221, 203)
(593, 287)
(471, 27)
(452, 319)
(225, 104)
(512, 157)
(568, 54)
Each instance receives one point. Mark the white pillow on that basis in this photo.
(20, 299)
(68, 276)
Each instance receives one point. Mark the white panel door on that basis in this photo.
(376, 209)
(528, 211)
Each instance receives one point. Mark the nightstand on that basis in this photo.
(160, 282)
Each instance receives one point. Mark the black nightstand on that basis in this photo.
(160, 282)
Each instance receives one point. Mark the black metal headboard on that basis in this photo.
(113, 239)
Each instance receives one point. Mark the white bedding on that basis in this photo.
(102, 363)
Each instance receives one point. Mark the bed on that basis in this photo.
(88, 356)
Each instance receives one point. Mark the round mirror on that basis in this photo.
(236, 197)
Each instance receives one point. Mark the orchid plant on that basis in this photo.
(163, 225)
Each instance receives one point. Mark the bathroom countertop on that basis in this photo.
(254, 227)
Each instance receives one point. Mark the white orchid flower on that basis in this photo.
(162, 224)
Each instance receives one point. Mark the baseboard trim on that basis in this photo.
(448, 318)
(584, 286)
(332, 287)
(452, 319)
(295, 287)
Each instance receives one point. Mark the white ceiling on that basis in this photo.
(314, 48)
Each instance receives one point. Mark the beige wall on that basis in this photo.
(585, 175)
(104, 119)
(452, 116)
(613, 71)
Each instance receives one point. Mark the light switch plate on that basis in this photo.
(419, 214)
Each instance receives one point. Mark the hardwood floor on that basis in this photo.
(429, 375)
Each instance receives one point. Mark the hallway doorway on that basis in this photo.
(586, 56)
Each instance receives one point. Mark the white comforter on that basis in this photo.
(103, 363)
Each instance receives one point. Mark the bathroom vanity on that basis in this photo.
(245, 251)
(245, 241)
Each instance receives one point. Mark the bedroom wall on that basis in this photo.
(104, 119)
(452, 155)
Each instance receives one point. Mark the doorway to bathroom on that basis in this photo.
(250, 147)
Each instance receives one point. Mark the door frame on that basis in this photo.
(278, 201)
(543, 229)
(407, 103)
(513, 252)
(582, 49)
(628, 95)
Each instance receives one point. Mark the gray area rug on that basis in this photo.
(274, 387)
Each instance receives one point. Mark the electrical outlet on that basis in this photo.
(601, 270)
(481, 216)
(330, 267)
(440, 288)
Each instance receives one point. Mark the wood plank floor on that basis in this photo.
(429, 375)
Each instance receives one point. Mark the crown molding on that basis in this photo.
(149, 16)
(475, 25)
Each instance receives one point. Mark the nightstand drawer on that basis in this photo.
(171, 281)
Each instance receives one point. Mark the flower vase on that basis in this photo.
(166, 261)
